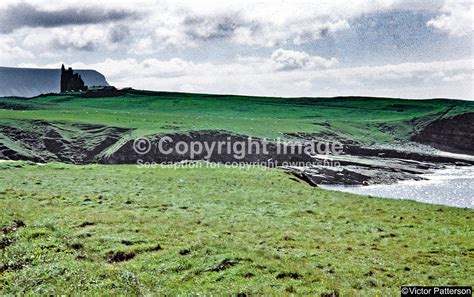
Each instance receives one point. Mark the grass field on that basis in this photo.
(126, 230)
(368, 120)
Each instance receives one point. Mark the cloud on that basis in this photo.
(119, 33)
(206, 28)
(143, 46)
(11, 52)
(266, 23)
(251, 25)
(457, 18)
(88, 38)
(290, 60)
(151, 26)
(27, 15)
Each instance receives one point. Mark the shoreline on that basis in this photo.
(432, 189)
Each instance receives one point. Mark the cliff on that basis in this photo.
(450, 134)
(28, 82)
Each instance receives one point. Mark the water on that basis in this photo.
(452, 186)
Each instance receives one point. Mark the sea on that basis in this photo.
(452, 186)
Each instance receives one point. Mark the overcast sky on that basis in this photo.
(393, 48)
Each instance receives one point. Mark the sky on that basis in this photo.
(385, 48)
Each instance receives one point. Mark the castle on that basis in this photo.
(71, 81)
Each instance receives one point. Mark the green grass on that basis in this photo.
(220, 230)
(368, 120)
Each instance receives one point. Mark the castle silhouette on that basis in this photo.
(71, 81)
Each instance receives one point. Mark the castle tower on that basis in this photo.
(65, 78)
(71, 81)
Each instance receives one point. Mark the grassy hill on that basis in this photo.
(367, 120)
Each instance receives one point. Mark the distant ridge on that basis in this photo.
(29, 82)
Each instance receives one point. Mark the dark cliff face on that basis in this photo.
(454, 134)
(29, 82)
